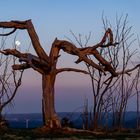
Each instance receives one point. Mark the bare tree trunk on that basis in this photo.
(137, 95)
(1, 117)
(85, 115)
(43, 114)
(95, 123)
(137, 110)
(50, 117)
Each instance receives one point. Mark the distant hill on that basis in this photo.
(35, 119)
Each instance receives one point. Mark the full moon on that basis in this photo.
(17, 43)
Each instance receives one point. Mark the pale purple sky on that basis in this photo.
(54, 18)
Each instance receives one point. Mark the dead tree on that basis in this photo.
(8, 89)
(46, 64)
(107, 96)
(100, 82)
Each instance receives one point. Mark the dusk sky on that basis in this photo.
(55, 18)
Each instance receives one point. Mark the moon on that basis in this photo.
(17, 43)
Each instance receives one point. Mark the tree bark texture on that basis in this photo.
(50, 117)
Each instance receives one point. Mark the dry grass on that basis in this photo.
(62, 134)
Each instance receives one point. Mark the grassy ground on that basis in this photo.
(62, 134)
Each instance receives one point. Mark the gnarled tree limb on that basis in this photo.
(24, 56)
(35, 41)
(72, 49)
(32, 33)
(108, 34)
(13, 24)
(83, 52)
(21, 66)
(71, 69)
(31, 60)
(6, 34)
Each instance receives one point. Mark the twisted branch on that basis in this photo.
(6, 34)
(21, 66)
(71, 69)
